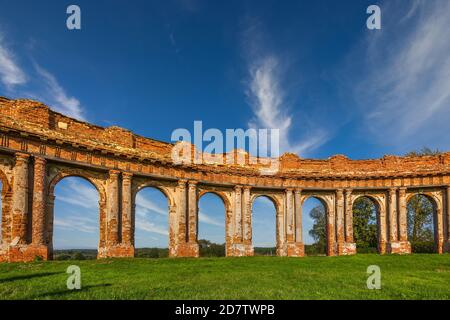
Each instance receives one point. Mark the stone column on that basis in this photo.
(173, 232)
(392, 215)
(281, 230)
(193, 211)
(112, 213)
(340, 221)
(182, 208)
(20, 200)
(247, 216)
(50, 203)
(237, 214)
(295, 247)
(382, 232)
(39, 195)
(127, 222)
(298, 215)
(348, 216)
(404, 244)
(394, 245)
(447, 209)
(331, 236)
(439, 227)
(402, 215)
(289, 193)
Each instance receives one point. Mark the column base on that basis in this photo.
(185, 250)
(346, 248)
(446, 247)
(398, 247)
(240, 250)
(24, 253)
(118, 251)
(296, 249)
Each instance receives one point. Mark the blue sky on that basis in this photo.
(309, 68)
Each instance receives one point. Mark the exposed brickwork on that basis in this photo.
(39, 147)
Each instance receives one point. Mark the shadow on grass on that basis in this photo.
(29, 276)
(68, 292)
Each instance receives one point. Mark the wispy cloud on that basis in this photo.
(77, 223)
(209, 220)
(10, 72)
(41, 84)
(145, 206)
(146, 225)
(268, 99)
(79, 194)
(63, 103)
(405, 90)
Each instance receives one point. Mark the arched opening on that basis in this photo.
(75, 219)
(421, 210)
(264, 224)
(211, 225)
(365, 225)
(151, 237)
(314, 226)
(1, 212)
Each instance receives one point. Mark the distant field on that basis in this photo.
(403, 277)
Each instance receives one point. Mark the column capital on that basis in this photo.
(182, 183)
(40, 160)
(298, 190)
(348, 191)
(114, 173)
(339, 192)
(192, 183)
(402, 190)
(393, 190)
(127, 175)
(238, 187)
(22, 156)
(248, 188)
(289, 189)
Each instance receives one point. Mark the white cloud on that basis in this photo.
(145, 225)
(10, 72)
(77, 223)
(79, 194)
(144, 206)
(57, 95)
(405, 91)
(208, 220)
(267, 97)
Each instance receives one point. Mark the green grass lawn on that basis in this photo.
(403, 277)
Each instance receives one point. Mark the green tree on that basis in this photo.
(319, 228)
(365, 228)
(420, 219)
(425, 151)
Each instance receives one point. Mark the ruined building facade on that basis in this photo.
(39, 147)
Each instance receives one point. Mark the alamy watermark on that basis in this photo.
(74, 280)
(374, 279)
(263, 146)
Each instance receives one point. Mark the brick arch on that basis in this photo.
(225, 200)
(329, 227)
(66, 174)
(378, 215)
(5, 189)
(164, 190)
(85, 175)
(326, 204)
(376, 202)
(6, 186)
(436, 202)
(272, 198)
